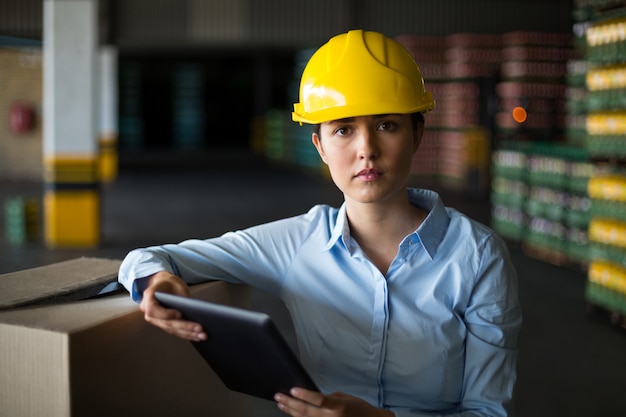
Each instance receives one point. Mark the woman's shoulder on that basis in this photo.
(464, 228)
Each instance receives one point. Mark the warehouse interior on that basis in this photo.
(200, 142)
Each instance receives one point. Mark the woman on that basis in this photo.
(401, 306)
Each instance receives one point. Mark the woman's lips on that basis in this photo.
(369, 174)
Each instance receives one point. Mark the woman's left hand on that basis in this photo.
(305, 403)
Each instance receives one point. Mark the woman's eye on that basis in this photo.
(342, 131)
(386, 126)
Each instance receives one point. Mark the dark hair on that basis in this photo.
(416, 119)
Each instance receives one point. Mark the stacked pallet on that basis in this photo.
(460, 70)
(606, 85)
(188, 110)
(429, 53)
(605, 133)
(131, 106)
(283, 140)
(606, 103)
(539, 108)
(557, 206)
(576, 91)
(472, 66)
(277, 135)
(532, 74)
(539, 200)
(606, 286)
(22, 219)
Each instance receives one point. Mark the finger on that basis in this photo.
(300, 402)
(180, 328)
(312, 397)
(152, 308)
(170, 320)
(291, 406)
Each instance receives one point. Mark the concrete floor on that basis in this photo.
(572, 362)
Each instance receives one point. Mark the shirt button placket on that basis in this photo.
(379, 334)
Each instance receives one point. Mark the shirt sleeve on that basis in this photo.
(257, 256)
(493, 319)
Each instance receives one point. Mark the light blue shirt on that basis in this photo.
(436, 335)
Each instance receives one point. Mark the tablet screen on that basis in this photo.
(244, 348)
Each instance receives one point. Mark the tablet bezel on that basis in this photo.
(244, 348)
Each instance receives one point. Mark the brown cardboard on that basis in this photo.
(100, 358)
(46, 282)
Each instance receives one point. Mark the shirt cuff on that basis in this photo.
(139, 285)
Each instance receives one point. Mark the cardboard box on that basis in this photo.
(98, 357)
(64, 281)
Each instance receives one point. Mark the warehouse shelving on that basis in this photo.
(605, 141)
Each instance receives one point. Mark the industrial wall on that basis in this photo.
(20, 113)
(294, 23)
(303, 23)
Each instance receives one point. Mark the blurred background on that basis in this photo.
(188, 133)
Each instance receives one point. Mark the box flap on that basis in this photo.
(36, 284)
(73, 317)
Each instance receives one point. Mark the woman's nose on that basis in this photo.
(368, 148)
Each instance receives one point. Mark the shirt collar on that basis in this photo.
(430, 232)
(434, 226)
(341, 228)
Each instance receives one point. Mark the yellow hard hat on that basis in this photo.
(360, 73)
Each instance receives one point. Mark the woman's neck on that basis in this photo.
(380, 228)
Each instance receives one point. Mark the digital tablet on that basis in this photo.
(244, 348)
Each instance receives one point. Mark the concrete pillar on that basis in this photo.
(107, 131)
(70, 151)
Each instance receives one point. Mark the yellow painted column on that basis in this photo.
(72, 201)
(70, 149)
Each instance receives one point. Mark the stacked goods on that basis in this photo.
(299, 149)
(22, 219)
(605, 53)
(302, 151)
(277, 124)
(545, 206)
(577, 214)
(188, 130)
(460, 71)
(429, 53)
(606, 286)
(539, 199)
(606, 134)
(508, 193)
(606, 40)
(464, 159)
(575, 103)
(472, 66)
(557, 207)
(532, 83)
(426, 160)
(131, 125)
(283, 140)
(606, 85)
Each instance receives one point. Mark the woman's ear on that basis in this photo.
(318, 145)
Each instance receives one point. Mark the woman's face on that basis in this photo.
(369, 157)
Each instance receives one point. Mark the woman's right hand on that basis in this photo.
(166, 319)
